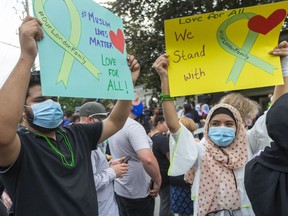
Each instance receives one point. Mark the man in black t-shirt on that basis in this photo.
(47, 169)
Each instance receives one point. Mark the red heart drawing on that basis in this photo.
(117, 40)
(262, 25)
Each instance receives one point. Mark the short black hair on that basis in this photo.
(69, 113)
(34, 80)
(187, 108)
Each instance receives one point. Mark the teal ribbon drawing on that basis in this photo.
(243, 54)
(69, 45)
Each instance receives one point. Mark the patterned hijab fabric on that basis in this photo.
(218, 186)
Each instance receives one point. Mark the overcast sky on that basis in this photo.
(11, 12)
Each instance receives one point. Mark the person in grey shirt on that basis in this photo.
(104, 173)
(132, 191)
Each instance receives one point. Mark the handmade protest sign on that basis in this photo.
(83, 53)
(225, 50)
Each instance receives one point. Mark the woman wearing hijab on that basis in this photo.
(266, 176)
(215, 169)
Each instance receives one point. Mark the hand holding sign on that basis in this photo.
(161, 66)
(134, 67)
(30, 32)
(282, 50)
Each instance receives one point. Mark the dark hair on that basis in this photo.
(187, 108)
(75, 117)
(69, 113)
(157, 111)
(34, 80)
(223, 110)
(193, 104)
(158, 118)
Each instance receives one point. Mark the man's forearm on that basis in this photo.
(152, 169)
(116, 119)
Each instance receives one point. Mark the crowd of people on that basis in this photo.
(96, 162)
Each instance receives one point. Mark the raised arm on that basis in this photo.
(282, 51)
(169, 109)
(120, 112)
(13, 92)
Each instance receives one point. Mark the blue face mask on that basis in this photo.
(47, 114)
(221, 136)
(137, 109)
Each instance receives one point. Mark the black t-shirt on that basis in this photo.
(1, 186)
(3, 210)
(160, 148)
(40, 184)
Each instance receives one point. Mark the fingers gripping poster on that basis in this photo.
(226, 50)
(83, 53)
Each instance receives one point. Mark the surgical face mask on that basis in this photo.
(137, 109)
(222, 136)
(47, 114)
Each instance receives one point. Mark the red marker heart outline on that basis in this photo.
(117, 40)
(262, 25)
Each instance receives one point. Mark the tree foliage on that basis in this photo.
(144, 25)
(69, 104)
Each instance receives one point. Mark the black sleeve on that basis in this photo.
(1, 186)
(91, 132)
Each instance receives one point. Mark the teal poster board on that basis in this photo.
(83, 53)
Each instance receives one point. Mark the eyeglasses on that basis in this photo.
(213, 213)
(99, 114)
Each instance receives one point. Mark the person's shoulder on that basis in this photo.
(159, 137)
(74, 127)
(25, 135)
(132, 123)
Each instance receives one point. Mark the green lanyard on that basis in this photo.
(68, 144)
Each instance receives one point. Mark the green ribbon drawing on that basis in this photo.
(69, 45)
(243, 54)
